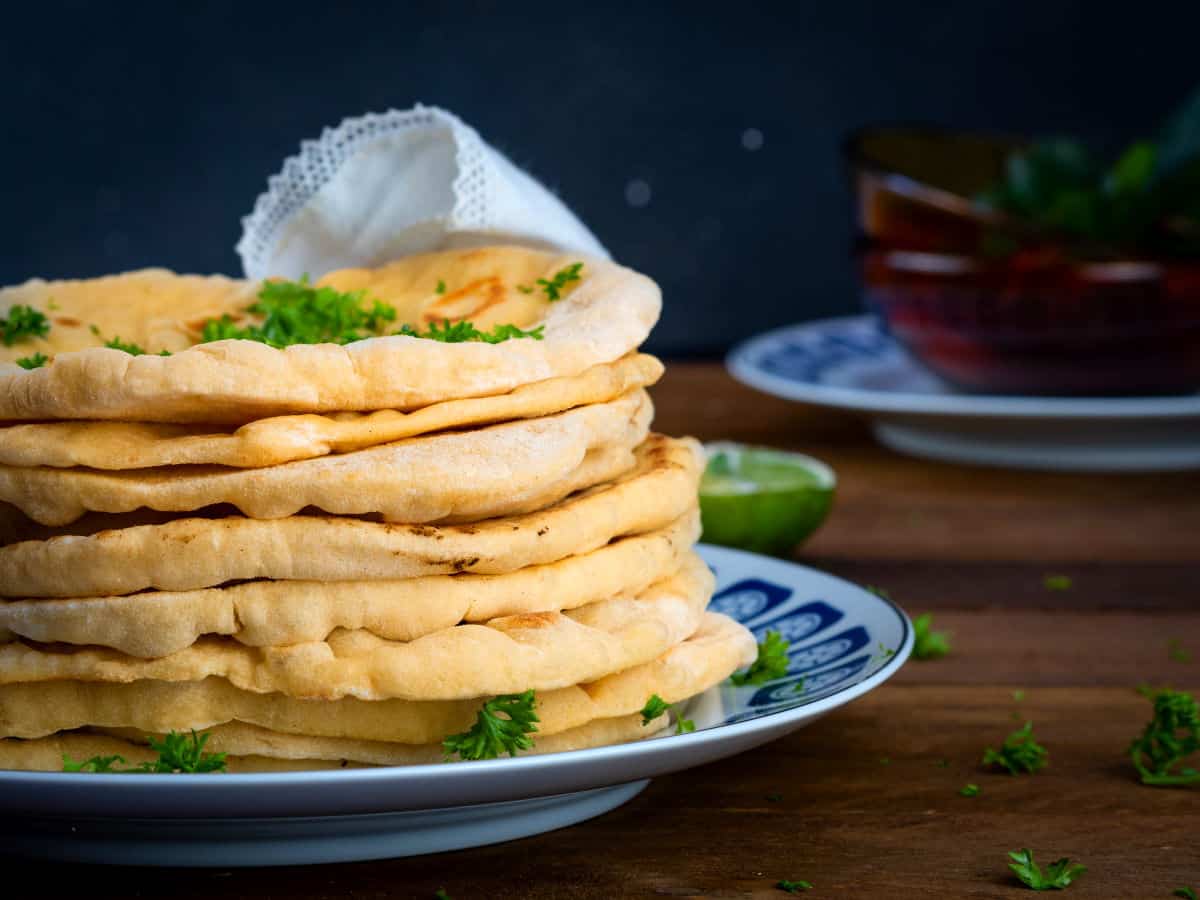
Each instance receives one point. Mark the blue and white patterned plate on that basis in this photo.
(845, 641)
(852, 364)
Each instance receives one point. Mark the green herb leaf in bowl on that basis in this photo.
(1143, 201)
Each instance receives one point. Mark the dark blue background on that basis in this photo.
(138, 135)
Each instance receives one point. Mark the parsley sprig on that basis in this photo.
(1020, 753)
(772, 662)
(1058, 875)
(131, 348)
(927, 643)
(656, 706)
(461, 332)
(22, 322)
(557, 283)
(793, 887)
(177, 753)
(1170, 737)
(503, 725)
(296, 312)
(36, 361)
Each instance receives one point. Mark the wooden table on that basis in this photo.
(870, 804)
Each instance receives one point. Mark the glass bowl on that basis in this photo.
(994, 308)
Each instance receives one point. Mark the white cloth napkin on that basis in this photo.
(381, 186)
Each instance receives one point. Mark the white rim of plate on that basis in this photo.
(743, 363)
(484, 771)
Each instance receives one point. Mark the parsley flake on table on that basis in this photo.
(440, 894)
(296, 312)
(793, 887)
(36, 361)
(177, 753)
(22, 322)
(927, 643)
(462, 332)
(557, 283)
(969, 790)
(1185, 892)
(503, 725)
(1171, 736)
(654, 708)
(1057, 582)
(1176, 651)
(772, 661)
(1020, 753)
(1058, 875)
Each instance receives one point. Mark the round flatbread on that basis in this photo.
(186, 554)
(281, 439)
(603, 315)
(253, 749)
(458, 476)
(542, 651)
(279, 613)
(717, 648)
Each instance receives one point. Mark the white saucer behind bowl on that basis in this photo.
(852, 364)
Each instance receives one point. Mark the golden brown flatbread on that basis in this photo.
(539, 651)
(30, 710)
(279, 613)
(457, 476)
(280, 439)
(186, 554)
(253, 749)
(603, 316)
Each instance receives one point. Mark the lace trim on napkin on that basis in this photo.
(304, 174)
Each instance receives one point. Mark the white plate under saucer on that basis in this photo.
(851, 363)
(845, 641)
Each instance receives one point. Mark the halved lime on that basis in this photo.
(761, 499)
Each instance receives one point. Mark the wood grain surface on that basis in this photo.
(868, 803)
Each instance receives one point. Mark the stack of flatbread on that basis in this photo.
(335, 553)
